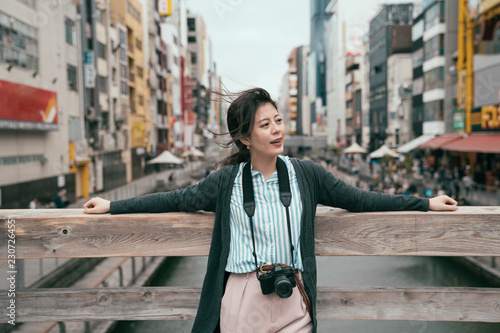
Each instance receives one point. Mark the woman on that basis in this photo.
(243, 246)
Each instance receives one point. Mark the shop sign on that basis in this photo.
(458, 120)
(485, 118)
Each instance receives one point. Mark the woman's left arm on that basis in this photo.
(442, 202)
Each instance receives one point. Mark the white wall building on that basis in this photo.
(41, 112)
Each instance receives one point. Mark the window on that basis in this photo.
(99, 16)
(123, 39)
(176, 41)
(103, 83)
(123, 71)
(433, 110)
(418, 58)
(101, 50)
(134, 12)
(193, 57)
(417, 30)
(12, 160)
(434, 14)
(124, 87)
(140, 99)
(72, 78)
(192, 39)
(434, 47)
(418, 86)
(138, 44)
(105, 120)
(140, 72)
(191, 24)
(70, 31)
(18, 43)
(434, 79)
(123, 53)
(417, 114)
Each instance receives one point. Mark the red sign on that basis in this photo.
(27, 108)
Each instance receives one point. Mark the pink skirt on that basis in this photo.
(245, 309)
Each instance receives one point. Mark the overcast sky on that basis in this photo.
(251, 39)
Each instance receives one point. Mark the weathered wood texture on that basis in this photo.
(469, 231)
(334, 303)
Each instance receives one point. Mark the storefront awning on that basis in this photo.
(479, 143)
(440, 141)
(413, 144)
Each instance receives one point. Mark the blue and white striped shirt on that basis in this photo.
(270, 225)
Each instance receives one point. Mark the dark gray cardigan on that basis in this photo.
(213, 194)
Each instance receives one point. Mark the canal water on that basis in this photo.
(340, 271)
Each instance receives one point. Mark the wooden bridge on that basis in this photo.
(469, 231)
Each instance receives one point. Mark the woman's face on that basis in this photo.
(266, 139)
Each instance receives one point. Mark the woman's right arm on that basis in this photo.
(202, 196)
(96, 206)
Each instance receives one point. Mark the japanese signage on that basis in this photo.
(458, 120)
(89, 69)
(485, 118)
(24, 107)
(165, 7)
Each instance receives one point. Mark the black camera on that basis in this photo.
(280, 279)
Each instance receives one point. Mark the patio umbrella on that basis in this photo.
(193, 152)
(382, 151)
(166, 158)
(355, 148)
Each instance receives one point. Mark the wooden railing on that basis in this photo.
(469, 231)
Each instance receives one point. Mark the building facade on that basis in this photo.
(40, 118)
(390, 33)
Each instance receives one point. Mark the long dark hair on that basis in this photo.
(240, 120)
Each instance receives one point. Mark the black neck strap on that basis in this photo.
(285, 197)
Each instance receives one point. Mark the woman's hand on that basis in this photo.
(442, 202)
(96, 206)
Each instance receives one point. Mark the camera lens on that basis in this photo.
(283, 286)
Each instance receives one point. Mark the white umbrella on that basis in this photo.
(355, 148)
(193, 152)
(166, 158)
(382, 151)
(197, 152)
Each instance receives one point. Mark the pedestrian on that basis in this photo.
(33, 203)
(61, 200)
(251, 252)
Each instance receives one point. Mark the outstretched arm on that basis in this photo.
(96, 206)
(442, 202)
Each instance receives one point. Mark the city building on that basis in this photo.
(174, 35)
(129, 15)
(41, 118)
(354, 86)
(399, 103)
(318, 65)
(200, 64)
(389, 33)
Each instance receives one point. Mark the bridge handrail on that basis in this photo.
(469, 231)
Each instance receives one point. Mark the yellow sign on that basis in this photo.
(165, 7)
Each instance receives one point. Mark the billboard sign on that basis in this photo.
(89, 69)
(24, 107)
(485, 118)
(165, 7)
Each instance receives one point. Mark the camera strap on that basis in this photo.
(285, 197)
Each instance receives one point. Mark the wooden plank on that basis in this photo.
(334, 303)
(469, 231)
